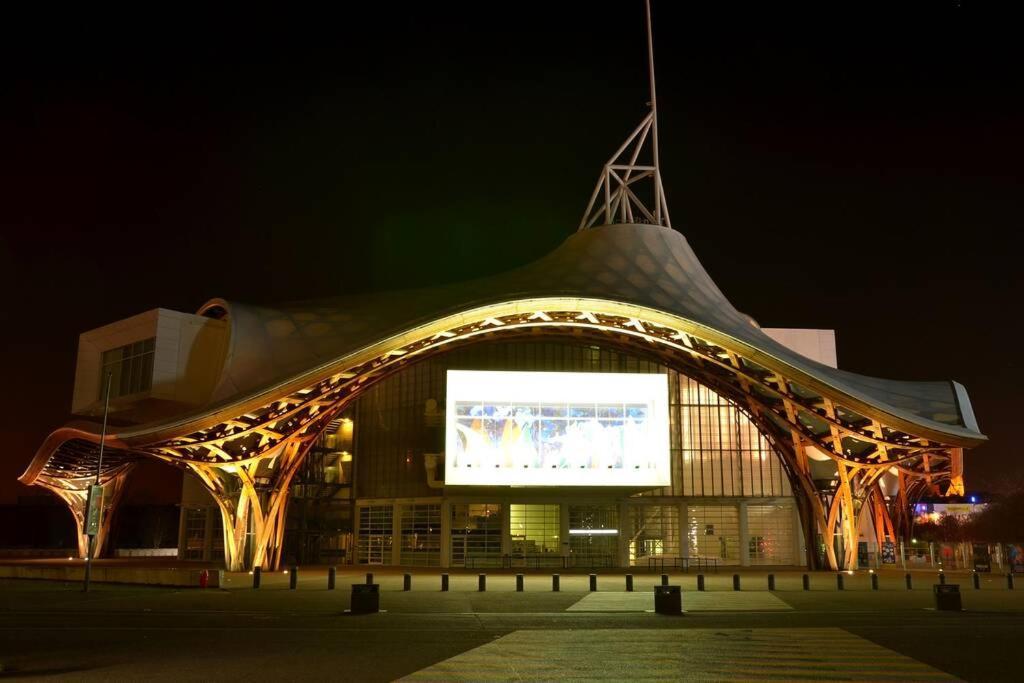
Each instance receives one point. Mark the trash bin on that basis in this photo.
(668, 600)
(947, 596)
(365, 598)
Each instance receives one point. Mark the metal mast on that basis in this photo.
(617, 185)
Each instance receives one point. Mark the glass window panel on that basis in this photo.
(130, 368)
(536, 534)
(714, 532)
(476, 535)
(653, 533)
(421, 535)
(375, 534)
(771, 534)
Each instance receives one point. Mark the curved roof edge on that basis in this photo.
(648, 267)
(644, 265)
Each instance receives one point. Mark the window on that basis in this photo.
(421, 535)
(195, 533)
(375, 534)
(720, 450)
(771, 529)
(535, 531)
(593, 535)
(476, 535)
(130, 368)
(653, 532)
(714, 532)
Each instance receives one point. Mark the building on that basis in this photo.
(329, 429)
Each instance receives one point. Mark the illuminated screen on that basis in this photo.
(556, 429)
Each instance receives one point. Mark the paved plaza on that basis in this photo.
(52, 630)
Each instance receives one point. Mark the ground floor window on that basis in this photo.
(653, 532)
(195, 533)
(714, 532)
(476, 535)
(770, 534)
(421, 535)
(375, 534)
(594, 535)
(536, 534)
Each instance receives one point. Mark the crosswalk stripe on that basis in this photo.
(698, 654)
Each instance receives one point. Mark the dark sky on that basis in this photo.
(855, 169)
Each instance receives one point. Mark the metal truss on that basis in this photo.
(247, 454)
(615, 198)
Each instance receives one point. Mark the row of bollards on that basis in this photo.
(332, 580)
(332, 573)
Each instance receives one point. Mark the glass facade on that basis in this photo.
(729, 498)
(720, 452)
(716, 449)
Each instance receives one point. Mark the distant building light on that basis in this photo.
(593, 532)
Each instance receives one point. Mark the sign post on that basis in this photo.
(94, 506)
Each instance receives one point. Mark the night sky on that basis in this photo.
(858, 170)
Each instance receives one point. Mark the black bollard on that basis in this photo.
(257, 573)
(735, 582)
(332, 575)
(942, 578)
(293, 578)
(444, 582)
(700, 582)
(1009, 581)
(629, 583)
(369, 578)
(593, 582)
(555, 582)
(481, 582)
(407, 582)
(664, 579)
(839, 582)
(519, 583)
(807, 582)
(976, 580)
(771, 582)
(874, 582)
(910, 582)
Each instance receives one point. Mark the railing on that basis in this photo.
(700, 563)
(592, 561)
(541, 561)
(484, 561)
(534, 561)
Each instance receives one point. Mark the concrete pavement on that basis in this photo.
(50, 630)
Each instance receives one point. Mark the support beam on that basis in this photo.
(254, 513)
(77, 501)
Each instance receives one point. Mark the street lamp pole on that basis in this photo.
(94, 506)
